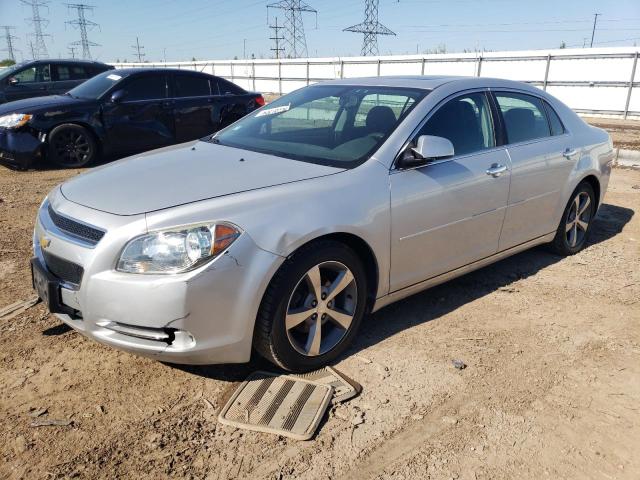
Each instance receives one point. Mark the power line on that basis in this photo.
(40, 49)
(72, 51)
(371, 28)
(277, 38)
(9, 39)
(595, 21)
(82, 24)
(138, 48)
(295, 41)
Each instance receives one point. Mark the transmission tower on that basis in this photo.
(9, 39)
(83, 24)
(40, 48)
(295, 41)
(138, 48)
(72, 51)
(371, 28)
(277, 39)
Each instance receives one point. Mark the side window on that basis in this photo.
(226, 87)
(524, 117)
(465, 121)
(38, 73)
(62, 73)
(78, 72)
(554, 121)
(192, 86)
(148, 87)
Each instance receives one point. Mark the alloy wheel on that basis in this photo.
(321, 308)
(72, 148)
(578, 219)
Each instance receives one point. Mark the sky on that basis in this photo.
(216, 29)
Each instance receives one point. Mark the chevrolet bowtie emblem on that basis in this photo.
(44, 242)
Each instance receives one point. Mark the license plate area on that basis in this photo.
(47, 287)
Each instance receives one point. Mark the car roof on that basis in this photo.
(130, 71)
(429, 82)
(63, 60)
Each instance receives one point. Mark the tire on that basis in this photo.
(72, 146)
(290, 312)
(573, 233)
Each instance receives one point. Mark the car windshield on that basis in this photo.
(335, 125)
(5, 72)
(97, 86)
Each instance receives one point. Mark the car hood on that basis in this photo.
(40, 104)
(183, 174)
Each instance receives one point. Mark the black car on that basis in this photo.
(118, 113)
(38, 78)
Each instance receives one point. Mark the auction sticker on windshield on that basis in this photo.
(273, 111)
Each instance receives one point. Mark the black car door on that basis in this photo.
(142, 118)
(231, 102)
(32, 81)
(194, 106)
(63, 77)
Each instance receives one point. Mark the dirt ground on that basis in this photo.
(551, 390)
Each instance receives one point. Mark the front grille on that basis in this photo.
(77, 229)
(63, 269)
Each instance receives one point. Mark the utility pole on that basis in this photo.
(294, 39)
(40, 48)
(595, 21)
(33, 50)
(82, 23)
(276, 38)
(138, 48)
(72, 50)
(244, 48)
(9, 39)
(371, 28)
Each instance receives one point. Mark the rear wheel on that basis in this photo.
(574, 228)
(312, 308)
(72, 146)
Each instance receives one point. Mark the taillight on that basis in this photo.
(259, 100)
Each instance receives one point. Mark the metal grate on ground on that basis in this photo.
(279, 404)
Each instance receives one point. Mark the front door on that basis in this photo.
(143, 119)
(33, 81)
(449, 213)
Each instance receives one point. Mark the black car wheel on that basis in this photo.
(312, 308)
(71, 146)
(574, 228)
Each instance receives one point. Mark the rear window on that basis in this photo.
(192, 86)
(226, 88)
(524, 116)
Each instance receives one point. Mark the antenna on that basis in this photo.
(138, 48)
(9, 39)
(39, 50)
(294, 39)
(371, 28)
(82, 23)
(277, 38)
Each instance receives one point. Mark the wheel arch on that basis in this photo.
(595, 184)
(90, 128)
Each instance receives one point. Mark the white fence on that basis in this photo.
(601, 81)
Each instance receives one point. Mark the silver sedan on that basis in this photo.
(280, 232)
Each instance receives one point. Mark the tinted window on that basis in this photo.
(192, 86)
(524, 117)
(38, 73)
(225, 88)
(62, 73)
(78, 72)
(465, 121)
(556, 124)
(148, 87)
(97, 86)
(317, 124)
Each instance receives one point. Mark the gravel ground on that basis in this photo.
(551, 390)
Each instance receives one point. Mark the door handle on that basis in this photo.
(569, 152)
(496, 170)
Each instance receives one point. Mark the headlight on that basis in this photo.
(177, 250)
(14, 120)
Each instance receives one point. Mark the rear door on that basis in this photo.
(143, 119)
(231, 101)
(33, 81)
(449, 213)
(540, 169)
(65, 76)
(194, 106)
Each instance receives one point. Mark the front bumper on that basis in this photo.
(205, 316)
(20, 148)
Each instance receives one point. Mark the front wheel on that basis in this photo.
(574, 228)
(72, 146)
(312, 308)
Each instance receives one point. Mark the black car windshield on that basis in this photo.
(97, 86)
(6, 72)
(335, 125)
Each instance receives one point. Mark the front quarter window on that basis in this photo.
(335, 125)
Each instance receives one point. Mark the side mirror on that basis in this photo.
(118, 96)
(14, 81)
(428, 149)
